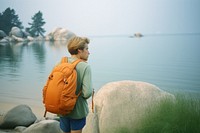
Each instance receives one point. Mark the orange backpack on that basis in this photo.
(59, 93)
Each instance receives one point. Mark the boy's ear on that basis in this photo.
(79, 50)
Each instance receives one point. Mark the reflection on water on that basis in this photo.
(17, 70)
(11, 56)
(170, 62)
(24, 68)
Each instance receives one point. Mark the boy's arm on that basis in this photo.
(87, 83)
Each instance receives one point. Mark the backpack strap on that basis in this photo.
(74, 65)
(76, 62)
(64, 60)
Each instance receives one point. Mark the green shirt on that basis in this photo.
(84, 84)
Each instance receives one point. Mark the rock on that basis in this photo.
(29, 38)
(60, 34)
(20, 115)
(5, 40)
(26, 34)
(138, 35)
(17, 39)
(7, 131)
(45, 126)
(120, 105)
(16, 32)
(39, 38)
(2, 34)
(19, 129)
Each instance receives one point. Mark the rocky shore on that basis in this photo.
(17, 35)
(127, 99)
(21, 119)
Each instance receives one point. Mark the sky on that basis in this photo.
(111, 17)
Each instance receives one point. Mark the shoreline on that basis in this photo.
(38, 110)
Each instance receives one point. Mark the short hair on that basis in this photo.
(77, 43)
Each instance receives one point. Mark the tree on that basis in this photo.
(9, 19)
(36, 26)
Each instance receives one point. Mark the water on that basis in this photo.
(170, 62)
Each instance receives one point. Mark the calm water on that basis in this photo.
(170, 62)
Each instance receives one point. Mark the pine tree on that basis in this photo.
(9, 19)
(36, 26)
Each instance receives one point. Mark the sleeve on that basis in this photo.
(87, 83)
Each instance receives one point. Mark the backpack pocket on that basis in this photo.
(67, 103)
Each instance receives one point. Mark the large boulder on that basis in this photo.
(121, 105)
(16, 32)
(20, 115)
(60, 34)
(45, 126)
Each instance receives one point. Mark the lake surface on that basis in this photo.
(171, 62)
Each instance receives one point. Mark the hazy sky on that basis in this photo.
(105, 17)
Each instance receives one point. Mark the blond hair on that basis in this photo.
(77, 43)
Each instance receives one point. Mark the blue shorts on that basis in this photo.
(68, 124)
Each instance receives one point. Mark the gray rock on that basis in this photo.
(19, 129)
(26, 34)
(30, 38)
(45, 126)
(2, 34)
(16, 32)
(120, 105)
(5, 40)
(20, 115)
(17, 39)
